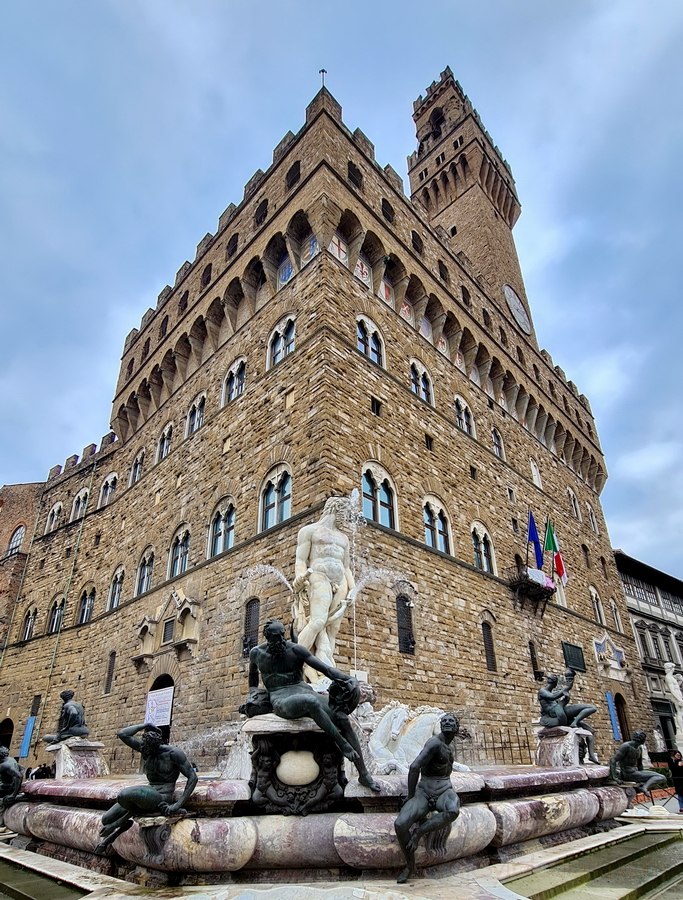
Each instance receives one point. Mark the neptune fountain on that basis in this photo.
(315, 781)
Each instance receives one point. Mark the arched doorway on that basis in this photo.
(160, 704)
(6, 732)
(620, 706)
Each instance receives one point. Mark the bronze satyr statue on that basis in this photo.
(162, 764)
(280, 663)
(557, 710)
(71, 720)
(627, 765)
(10, 779)
(432, 805)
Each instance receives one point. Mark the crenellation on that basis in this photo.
(227, 216)
(71, 462)
(281, 149)
(203, 245)
(253, 184)
(88, 451)
(364, 143)
(164, 294)
(54, 472)
(147, 318)
(182, 272)
(394, 179)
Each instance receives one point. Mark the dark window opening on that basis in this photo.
(489, 649)
(417, 242)
(231, 246)
(404, 623)
(355, 175)
(388, 211)
(375, 406)
(261, 212)
(293, 175)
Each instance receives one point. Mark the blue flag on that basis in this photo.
(534, 539)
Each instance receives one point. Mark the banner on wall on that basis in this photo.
(159, 706)
(26, 740)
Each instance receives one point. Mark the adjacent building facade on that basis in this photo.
(655, 608)
(333, 334)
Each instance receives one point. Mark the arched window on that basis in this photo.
(180, 553)
(195, 416)
(54, 621)
(108, 489)
(603, 566)
(29, 625)
(483, 549)
(85, 606)
(436, 527)
(420, 382)
(143, 581)
(136, 470)
(591, 518)
(231, 246)
(535, 473)
(417, 242)
(574, 508)
(281, 342)
(163, 328)
(293, 174)
(235, 381)
(463, 417)
(184, 300)
(368, 340)
(115, 590)
(404, 624)
(164, 447)
(79, 505)
(285, 271)
(378, 500)
(251, 623)
(388, 210)
(53, 518)
(276, 498)
(206, 276)
(598, 611)
(222, 530)
(261, 212)
(586, 556)
(16, 540)
(534, 661)
(616, 616)
(109, 677)
(497, 444)
(355, 175)
(489, 647)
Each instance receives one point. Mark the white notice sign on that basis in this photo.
(159, 706)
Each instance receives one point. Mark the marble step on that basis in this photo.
(671, 889)
(635, 878)
(553, 880)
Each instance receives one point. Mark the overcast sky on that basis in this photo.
(127, 128)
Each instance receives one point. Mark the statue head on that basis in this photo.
(274, 633)
(67, 695)
(552, 681)
(4, 753)
(335, 506)
(638, 737)
(152, 739)
(449, 724)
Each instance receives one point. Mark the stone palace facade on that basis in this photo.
(332, 334)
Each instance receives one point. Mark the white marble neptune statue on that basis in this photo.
(322, 582)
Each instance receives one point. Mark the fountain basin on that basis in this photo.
(226, 835)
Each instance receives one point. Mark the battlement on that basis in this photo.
(88, 452)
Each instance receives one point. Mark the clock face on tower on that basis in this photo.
(517, 309)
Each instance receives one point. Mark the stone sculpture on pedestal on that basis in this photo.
(674, 688)
(322, 582)
(280, 664)
(627, 765)
(10, 780)
(71, 720)
(432, 805)
(162, 764)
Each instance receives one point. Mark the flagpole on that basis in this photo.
(552, 552)
(528, 536)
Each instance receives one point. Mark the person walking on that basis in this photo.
(676, 767)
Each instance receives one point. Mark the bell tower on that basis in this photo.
(459, 177)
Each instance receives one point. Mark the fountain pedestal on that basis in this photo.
(78, 758)
(558, 747)
(296, 767)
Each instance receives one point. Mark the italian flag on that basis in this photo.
(551, 546)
